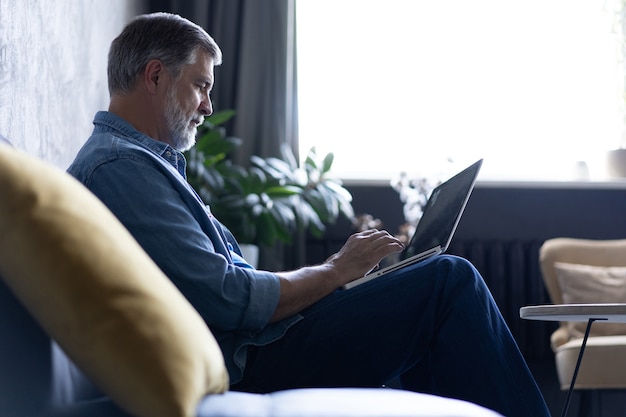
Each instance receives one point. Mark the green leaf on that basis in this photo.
(288, 156)
(328, 162)
(283, 191)
(310, 161)
(276, 168)
(338, 190)
(220, 117)
(284, 214)
(266, 228)
(256, 181)
(309, 218)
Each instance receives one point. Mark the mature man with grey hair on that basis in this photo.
(433, 325)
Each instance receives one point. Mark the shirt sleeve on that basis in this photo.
(174, 227)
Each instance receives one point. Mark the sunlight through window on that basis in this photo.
(533, 87)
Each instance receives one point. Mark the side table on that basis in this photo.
(588, 313)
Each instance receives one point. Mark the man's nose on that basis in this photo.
(206, 107)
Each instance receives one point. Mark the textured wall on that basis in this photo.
(53, 70)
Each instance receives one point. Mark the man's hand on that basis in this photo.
(362, 253)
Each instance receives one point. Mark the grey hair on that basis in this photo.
(167, 37)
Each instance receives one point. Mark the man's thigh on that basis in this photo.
(365, 336)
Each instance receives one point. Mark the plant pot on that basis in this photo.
(250, 253)
(616, 163)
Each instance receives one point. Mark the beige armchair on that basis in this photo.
(584, 271)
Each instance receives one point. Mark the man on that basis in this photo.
(434, 325)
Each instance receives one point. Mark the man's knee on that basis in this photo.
(458, 270)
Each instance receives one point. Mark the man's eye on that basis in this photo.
(204, 87)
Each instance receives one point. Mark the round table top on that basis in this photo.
(615, 313)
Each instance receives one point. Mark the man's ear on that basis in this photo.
(152, 75)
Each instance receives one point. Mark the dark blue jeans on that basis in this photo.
(434, 326)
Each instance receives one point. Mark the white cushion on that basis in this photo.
(581, 284)
(338, 402)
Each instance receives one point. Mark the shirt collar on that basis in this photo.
(105, 121)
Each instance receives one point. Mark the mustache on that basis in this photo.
(198, 120)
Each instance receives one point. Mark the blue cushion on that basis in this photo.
(102, 407)
(35, 374)
(25, 359)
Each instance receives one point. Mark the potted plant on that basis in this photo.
(269, 200)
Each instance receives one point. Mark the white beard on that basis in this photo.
(182, 133)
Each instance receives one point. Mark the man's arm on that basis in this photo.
(361, 253)
(172, 226)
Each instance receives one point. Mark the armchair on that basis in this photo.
(587, 271)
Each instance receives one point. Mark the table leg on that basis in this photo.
(580, 358)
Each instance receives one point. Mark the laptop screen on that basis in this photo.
(443, 212)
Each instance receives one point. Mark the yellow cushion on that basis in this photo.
(581, 284)
(95, 291)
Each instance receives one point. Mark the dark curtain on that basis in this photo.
(258, 75)
(257, 79)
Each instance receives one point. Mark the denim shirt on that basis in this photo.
(143, 182)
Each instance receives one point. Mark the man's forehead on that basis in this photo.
(202, 66)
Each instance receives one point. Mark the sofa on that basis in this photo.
(89, 326)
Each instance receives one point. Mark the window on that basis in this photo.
(532, 86)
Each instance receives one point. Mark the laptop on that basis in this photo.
(435, 229)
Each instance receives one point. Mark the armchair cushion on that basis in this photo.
(592, 284)
(90, 286)
(601, 368)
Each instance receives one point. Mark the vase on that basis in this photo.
(616, 163)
